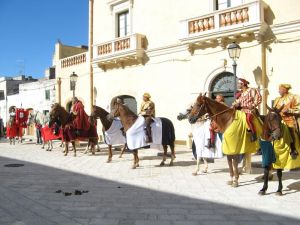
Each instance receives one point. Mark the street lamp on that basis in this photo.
(73, 80)
(234, 51)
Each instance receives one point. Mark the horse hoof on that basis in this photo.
(230, 182)
(235, 184)
(137, 165)
(109, 160)
(194, 173)
(162, 164)
(171, 164)
(74, 155)
(133, 167)
(278, 193)
(65, 154)
(262, 192)
(120, 156)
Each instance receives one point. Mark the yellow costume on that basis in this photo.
(282, 147)
(236, 139)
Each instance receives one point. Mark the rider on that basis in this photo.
(248, 100)
(81, 121)
(148, 111)
(289, 113)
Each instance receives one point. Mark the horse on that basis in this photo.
(200, 149)
(100, 113)
(275, 146)
(58, 113)
(230, 122)
(128, 118)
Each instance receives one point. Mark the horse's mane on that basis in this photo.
(217, 104)
(128, 111)
(98, 108)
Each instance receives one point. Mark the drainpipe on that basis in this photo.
(91, 21)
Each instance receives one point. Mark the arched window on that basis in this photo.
(130, 102)
(223, 84)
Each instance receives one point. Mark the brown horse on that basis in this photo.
(58, 113)
(128, 118)
(224, 116)
(100, 113)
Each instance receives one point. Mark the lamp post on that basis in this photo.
(234, 51)
(73, 80)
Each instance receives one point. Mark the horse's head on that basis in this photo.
(199, 109)
(115, 112)
(55, 113)
(184, 115)
(272, 124)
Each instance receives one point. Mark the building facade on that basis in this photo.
(176, 49)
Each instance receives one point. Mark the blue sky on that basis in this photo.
(29, 30)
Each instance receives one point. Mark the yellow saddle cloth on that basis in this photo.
(236, 138)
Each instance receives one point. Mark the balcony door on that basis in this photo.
(123, 24)
(224, 4)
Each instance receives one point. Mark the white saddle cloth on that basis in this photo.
(136, 135)
(201, 135)
(114, 136)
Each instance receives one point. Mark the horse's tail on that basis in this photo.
(168, 132)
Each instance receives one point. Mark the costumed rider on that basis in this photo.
(148, 111)
(247, 100)
(290, 113)
(81, 121)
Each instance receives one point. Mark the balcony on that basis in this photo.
(224, 26)
(73, 60)
(120, 52)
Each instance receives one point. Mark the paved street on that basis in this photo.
(149, 195)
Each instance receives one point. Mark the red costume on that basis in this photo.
(81, 121)
(248, 100)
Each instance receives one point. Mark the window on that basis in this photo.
(123, 23)
(47, 94)
(224, 4)
(2, 97)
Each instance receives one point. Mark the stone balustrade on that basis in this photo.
(73, 60)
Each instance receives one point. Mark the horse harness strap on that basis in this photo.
(219, 113)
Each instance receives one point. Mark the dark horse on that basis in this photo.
(100, 113)
(272, 131)
(128, 118)
(58, 113)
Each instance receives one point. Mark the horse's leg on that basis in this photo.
(235, 162)
(43, 146)
(247, 163)
(87, 148)
(137, 158)
(229, 161)
(122, 151)
(66, 148)
(279, 175)
(51, 145)
(93, 146)
(10, 141)
(205, 165)
(172, 147)
(164, 155)
(110, 154)
(266, 180)
(198, 167)
(134, 152)
(74, 147)
(14, 141)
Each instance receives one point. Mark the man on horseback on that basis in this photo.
(248, 99)
(81, 122)
(148, 111)
(289, 113)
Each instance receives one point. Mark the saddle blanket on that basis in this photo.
(201, 134)
(114, 135)
(136, 135)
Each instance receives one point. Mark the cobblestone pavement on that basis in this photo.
(149, 195)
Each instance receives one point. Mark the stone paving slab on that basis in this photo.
(150, 194)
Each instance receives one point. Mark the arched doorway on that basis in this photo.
(30, 128)
(130, 102)
(223, 84)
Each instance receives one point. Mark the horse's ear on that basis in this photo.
(269, 108)
(205, 93)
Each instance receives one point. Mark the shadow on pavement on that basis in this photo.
(28, 197)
